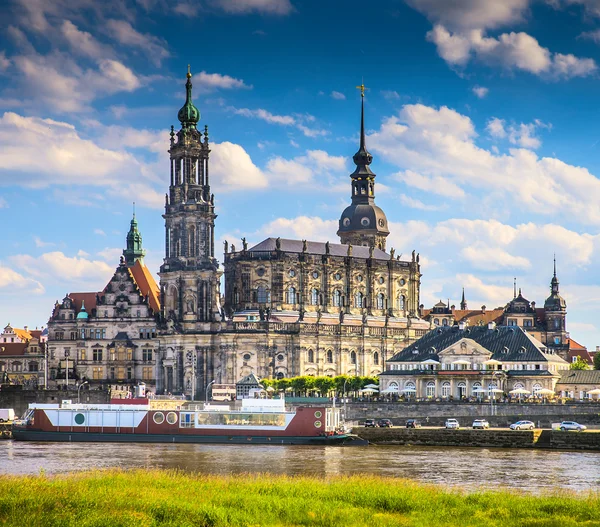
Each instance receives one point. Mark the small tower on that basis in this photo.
(555, 308)
(134, 250)
(363, 222)
(463, 302)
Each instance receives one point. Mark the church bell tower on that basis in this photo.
(189, 275)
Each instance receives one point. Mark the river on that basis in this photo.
(470, 468)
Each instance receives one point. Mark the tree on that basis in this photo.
(579, 364)
(597, 360)
(299, 385)
(324, 385)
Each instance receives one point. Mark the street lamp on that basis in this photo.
(79, 388)
(344, 395)
(207, 387)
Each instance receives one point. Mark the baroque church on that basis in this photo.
(290, 307)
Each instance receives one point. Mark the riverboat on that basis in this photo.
(258, 421)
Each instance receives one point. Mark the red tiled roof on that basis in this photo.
(577, 350)
(36, 333)
(146, 284)
(88, 298)
(11, 349)
(473, 317)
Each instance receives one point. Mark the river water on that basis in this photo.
(470, 468)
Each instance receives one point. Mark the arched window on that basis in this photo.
(279, 375)
(311, 356)
(536, 389)
(518, 385)
(436, 321)
(337, 298)
(557, 323)
(446, 389)
(358, 299)
(353, 357)
(409, 388)
(445, 322)
(401, 302)
(314, 297)
(291, 295)
(462, 389)
(329, 356)
(261, 294)
(192, 241)
(380, 301)
(430, 389)
(376, 358)
(476, 388)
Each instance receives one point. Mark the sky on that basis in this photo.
(482, 117)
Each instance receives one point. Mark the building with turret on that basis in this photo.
(108, 337)
(290, 307)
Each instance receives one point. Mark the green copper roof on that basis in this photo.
(134, 249)
(83, 313)
(189, 115)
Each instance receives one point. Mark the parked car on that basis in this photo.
(384, 423)
(481, 424)
(370, 423)
(565, 426)
(413, 423)
(6, 414)
(522, 425)
(452, 423)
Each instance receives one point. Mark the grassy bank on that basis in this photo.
(152, 498)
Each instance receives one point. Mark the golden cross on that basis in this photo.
(189, 74)
(362, 89)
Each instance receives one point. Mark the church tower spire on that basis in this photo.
(189, 274)
(363, 222)
(463, 302)
(134, 250)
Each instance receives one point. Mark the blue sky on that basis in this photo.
(482, 117)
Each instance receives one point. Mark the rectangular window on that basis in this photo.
(138, 313)
(512, 322)
(112, 373)
(97, 355)
(105, 314)
(129, 354)
(146, 355)
(82, 354)
(97, 373)
(147, 373)
(129, 373)
(104, 333)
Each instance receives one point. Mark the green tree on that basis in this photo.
(597, 360)
(283, 384)
(324, 385)
(298, 384)
(579, 364)
(339, 384)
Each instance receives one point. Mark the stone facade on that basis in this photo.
(22, 357)
(291, 307)
(108, 338)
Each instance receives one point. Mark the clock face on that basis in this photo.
(346, 222)
(381, 223)
(365, 222)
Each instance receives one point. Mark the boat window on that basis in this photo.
(171, 418)
(187, 419)
(158, 418)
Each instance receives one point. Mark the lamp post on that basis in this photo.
(344, 395)
(79, 388)
(207, 388)
(67, 354)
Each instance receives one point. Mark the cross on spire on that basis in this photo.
(362, 89)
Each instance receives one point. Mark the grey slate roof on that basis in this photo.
(580, 377)
(335, 249)
(249, 380)
(494, 340)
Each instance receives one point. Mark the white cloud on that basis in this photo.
(338, 95)
(124, 33)
(63, 269)
(296, 120)
(442, 143)
(214, 81)
(111, 254)
(82, 42)
(416, 204)
(4, 62)
(310, 228)
(434, 184)
(3, 203)
(99, 232)
(522, 134)
(495, 128)
(472, 14)
(480, 91)
(493, 258)
(267, 7)
(40, 243)
(231, 168)
(10, 281)
(509, 50)
(301, 170)
(390, 95)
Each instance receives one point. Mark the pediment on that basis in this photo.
(466, 348)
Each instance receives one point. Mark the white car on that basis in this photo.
(565, 426)
(452, 423)
(482, 424)
(522, 425)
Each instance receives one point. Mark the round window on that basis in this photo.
(158, 418)
(260, 272)
(318, 414)
(292, 273)
(346, 222)
(171, 418)
(247, 356)
(365, 222)
(318, 424)
(381, 279)
(280, 357)
(359, 278)
(337, 276)
(381, 223)
(402, 281)
(79, 419)
(315, 274)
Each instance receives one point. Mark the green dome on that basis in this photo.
(189, 115)
(82, 315)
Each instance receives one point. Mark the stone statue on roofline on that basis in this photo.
(278, 244)
(244, 245)
(226, 244)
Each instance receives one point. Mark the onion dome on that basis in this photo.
(189, 115)
(555, 302)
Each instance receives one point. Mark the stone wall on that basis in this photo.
(19, 400)
(551, 439)
(501, 415)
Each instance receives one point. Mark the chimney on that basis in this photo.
(462, 325)
(483, 310)
(491, 324)
(25, 328)
(452, 307)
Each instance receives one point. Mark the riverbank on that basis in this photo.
(549, 439)
(147, 498)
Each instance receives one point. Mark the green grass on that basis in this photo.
(115, 498)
